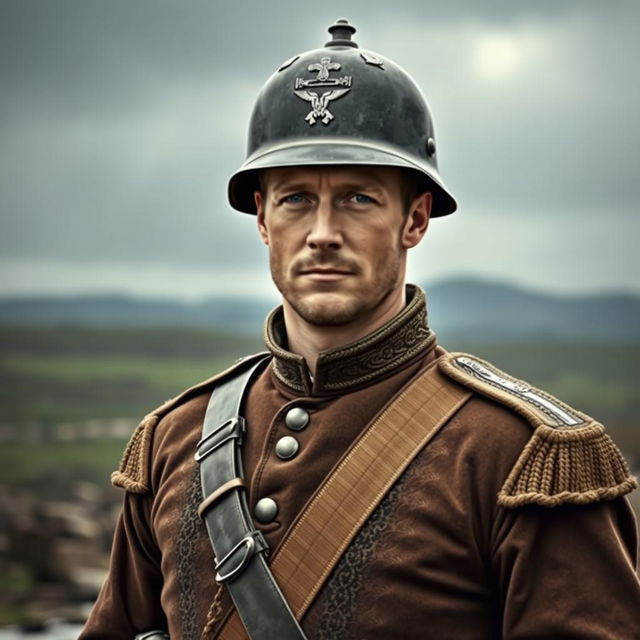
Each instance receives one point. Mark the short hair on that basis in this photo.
(413, 185)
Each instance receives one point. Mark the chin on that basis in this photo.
(329, 309)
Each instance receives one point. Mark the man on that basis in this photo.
(505, 518)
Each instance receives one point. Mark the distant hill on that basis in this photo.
(462, 309)
(488, 311)
(230, 314)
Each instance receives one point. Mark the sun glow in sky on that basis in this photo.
(496, 56)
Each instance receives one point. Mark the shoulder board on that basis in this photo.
(133, 473)
(569, 458)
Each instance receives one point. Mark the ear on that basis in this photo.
(417, 220)
(262, 227)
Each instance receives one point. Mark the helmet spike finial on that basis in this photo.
(341, 32)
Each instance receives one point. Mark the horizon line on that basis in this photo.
(174, 296)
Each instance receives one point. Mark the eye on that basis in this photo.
(294, 198)
(361, 198)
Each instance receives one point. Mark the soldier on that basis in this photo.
(361, 481)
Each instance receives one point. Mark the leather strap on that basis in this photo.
(239, 547)
(340, 507)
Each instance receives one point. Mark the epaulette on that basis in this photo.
(569, 458)
(133, 473)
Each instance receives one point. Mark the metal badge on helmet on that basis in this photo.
(340, 105)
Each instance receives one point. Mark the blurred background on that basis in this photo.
(126, 277)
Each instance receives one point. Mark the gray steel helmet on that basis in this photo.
(340, 105)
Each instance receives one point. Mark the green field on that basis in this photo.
(53, 467)
(59, 375)
(70, 374)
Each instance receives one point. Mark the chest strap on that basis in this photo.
(339, 508)
(240, 549)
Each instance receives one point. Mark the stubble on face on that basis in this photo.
(367, 249)
(336, 308)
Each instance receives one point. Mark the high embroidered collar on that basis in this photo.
(370, 358)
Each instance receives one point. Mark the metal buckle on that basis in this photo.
(237, 430)
(253, 547)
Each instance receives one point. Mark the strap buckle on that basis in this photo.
(253, 543)
(232, 428)
(222, 490)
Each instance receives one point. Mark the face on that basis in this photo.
(338, 237)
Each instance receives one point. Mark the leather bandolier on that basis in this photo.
(323, 531)
(288, 584)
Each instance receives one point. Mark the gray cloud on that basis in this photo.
(121, 121)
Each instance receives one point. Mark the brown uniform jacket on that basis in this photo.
(439, 557)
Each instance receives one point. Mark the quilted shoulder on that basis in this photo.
(570, 458)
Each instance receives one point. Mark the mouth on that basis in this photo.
(325, 274)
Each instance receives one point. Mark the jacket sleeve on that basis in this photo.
(129, 601)
(568, 571)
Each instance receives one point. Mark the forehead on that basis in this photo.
(388, 178)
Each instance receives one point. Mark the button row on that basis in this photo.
(296, 419)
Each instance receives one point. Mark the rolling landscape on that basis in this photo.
(78, 373)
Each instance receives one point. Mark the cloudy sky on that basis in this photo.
(121, 121)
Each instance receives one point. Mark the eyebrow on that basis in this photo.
(366, 184)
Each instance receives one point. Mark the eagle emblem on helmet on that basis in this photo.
(320, 101)
(319, 104)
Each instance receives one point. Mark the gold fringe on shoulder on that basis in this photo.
(133, 473)
(569, 458)
(560, 466)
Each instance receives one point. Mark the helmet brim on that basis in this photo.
(338, 152)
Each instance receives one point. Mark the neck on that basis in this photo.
(309, 340)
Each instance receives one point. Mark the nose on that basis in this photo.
(325, 232)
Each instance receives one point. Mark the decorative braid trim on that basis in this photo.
(567, 466)
(538, 407)
(133, 473)
(289, 368)
(569, 459)
(345, 368)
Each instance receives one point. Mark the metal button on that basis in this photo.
(287, 447)
(297, 419)
(266, 510)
